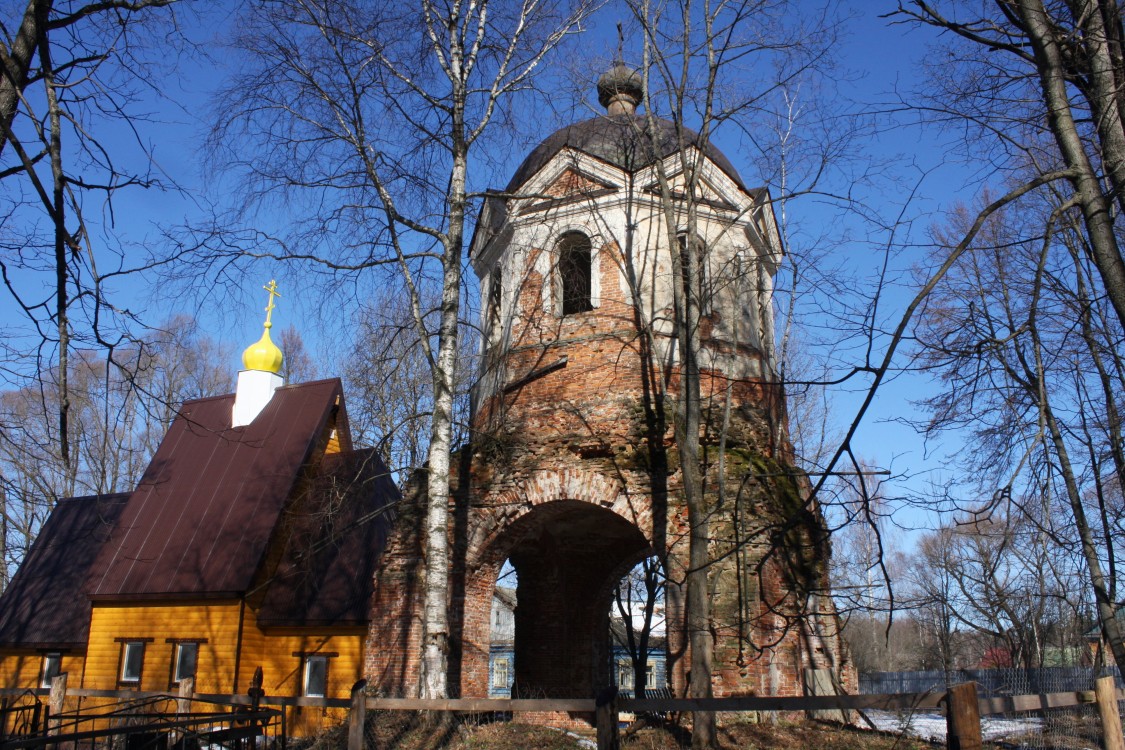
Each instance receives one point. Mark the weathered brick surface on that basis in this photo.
(573, 475)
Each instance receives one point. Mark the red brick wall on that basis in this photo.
(560, 478)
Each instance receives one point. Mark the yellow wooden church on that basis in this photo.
(249, 542)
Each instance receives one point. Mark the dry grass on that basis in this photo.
(788, 735)
(408, 731)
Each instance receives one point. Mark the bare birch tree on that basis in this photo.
(388, 383)
(368, 116)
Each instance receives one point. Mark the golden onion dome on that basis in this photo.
(263, 355)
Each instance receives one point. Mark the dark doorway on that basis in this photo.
(568, 556)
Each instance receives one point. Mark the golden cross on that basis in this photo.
(272, 289)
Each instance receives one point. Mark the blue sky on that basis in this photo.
(884, 58)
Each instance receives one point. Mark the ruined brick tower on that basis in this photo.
(573, 473)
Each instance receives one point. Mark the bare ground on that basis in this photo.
(405, 731)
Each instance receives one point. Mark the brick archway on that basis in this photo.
(567, 533)
(495, 512)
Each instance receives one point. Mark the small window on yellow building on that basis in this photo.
(315, 677)
(52, 668)
(132, 662)
(184, 660)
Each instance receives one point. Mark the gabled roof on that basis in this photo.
(332, 534)
(45, 606)
(202, 516)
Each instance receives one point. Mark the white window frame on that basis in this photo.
(46, 673)
(500, 672)
(625, 674)
(125, 677)
(307, 689)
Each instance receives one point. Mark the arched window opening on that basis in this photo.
(576, 273)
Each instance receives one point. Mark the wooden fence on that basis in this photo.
(960, 704)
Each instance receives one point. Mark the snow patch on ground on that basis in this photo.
(931, 726)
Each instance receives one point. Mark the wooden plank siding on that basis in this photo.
(215, 625)
(20, 669)
(231, 648)
(280, 655)
(23, 668)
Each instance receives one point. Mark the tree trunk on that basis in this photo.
(687, 276)
(1097, 212)
(436, 624)
(61, 247)
(16, 63)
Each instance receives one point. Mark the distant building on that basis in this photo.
(1098, 652)
(501, 652)
(501, 673)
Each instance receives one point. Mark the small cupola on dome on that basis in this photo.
(620, 90)
(262, 362)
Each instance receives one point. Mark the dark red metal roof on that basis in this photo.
(201, 519)
(333, 532)
(45, 606)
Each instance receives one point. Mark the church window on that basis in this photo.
(315, 683)
(576, 272)
(186, 656)
(132, 662)
(52, 668)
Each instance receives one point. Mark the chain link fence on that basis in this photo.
(1070, 728)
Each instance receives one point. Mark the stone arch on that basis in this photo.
(566, 533)
(549, 485)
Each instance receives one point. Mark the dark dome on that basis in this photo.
(625, 141)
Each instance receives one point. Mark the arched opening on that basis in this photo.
(576, 272)
(567, 556)
(493, 326)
